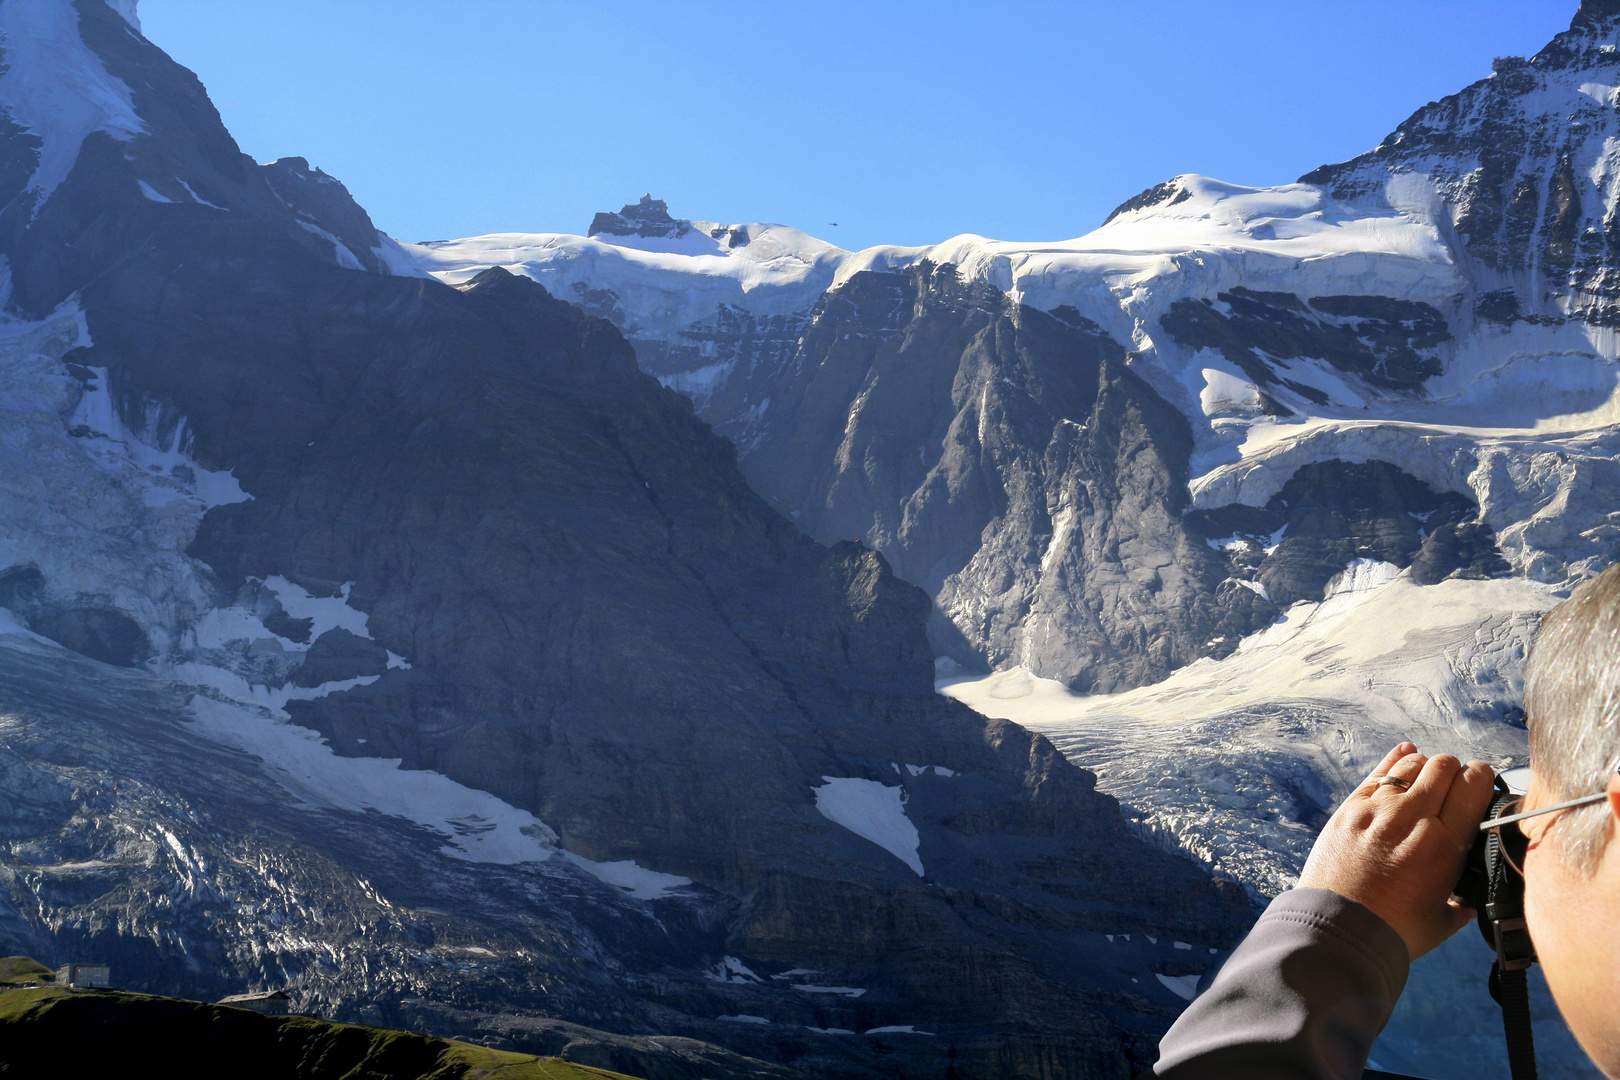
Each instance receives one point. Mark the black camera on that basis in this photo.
(1492, 885)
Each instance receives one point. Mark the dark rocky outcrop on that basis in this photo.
(338, 655)
(1388, 343)
(322, 201)
(20, 587)
(1516, 174)
(1168, 193)
(1333, 512)
(95, 629)
(648, 217)
(186, 142)
(100, 633)
(294, 630)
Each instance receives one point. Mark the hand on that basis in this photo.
(1399, 853)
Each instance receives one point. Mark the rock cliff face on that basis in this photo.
(676, 760)
(647, 218)
(1521, 167)
(1005, 459)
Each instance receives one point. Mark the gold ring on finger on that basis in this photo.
(1394, 781)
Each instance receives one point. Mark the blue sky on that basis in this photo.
(904, 122)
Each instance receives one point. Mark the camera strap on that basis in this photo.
(1511, 989)
(1509, 981)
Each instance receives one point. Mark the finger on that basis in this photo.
(1428, 791)
(1406, 770)
(1468, 799)
(1461, 915)
(1382, 768)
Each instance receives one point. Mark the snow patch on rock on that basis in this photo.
(873, 811)
(1184, 987)
(476, 825)
(126, 8)
(625, 874)
(58, 89)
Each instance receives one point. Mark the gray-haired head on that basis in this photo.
(1572, 705)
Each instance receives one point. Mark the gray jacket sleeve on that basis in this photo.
(1302, 998)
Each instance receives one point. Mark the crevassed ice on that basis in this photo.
(1227, 760)
(160, 458)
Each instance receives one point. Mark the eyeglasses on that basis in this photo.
(1511, 819)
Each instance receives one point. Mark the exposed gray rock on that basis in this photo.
(294, 630)
(338, 655)
(1464, 549)
(96, 629)
(1333, 512)
(322, 201)
(648, 217)
(20, 587)
(1006, 460)
(1168, 193)
(100, 633)
(1387, 342)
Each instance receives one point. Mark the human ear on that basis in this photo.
(1614, 799)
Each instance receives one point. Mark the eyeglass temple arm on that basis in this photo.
(1493, 823)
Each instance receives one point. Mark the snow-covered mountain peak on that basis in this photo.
(1194, 211)
(1522, 165)
(56, 89)
(1445, 304)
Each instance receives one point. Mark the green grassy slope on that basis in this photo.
(96, 1032)
(21, 969)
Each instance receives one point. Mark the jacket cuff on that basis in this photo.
(1351, 923)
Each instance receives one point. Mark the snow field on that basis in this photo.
(477, 826)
